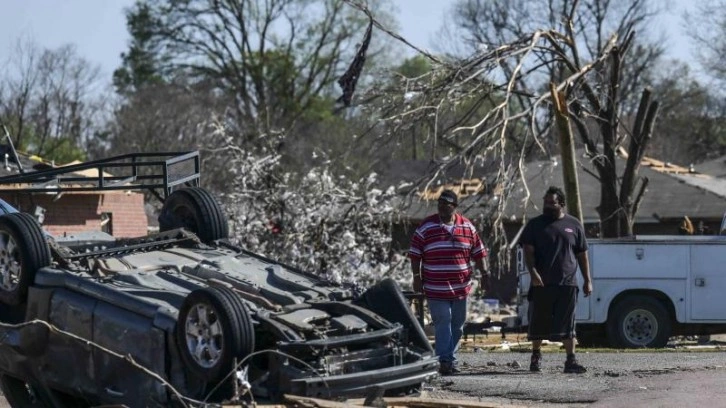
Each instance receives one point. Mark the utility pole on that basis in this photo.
(567, 152)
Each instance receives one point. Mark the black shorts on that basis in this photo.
(552, 312)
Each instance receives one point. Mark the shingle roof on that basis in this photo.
(668, 196)
(8, 165)
(715, 167)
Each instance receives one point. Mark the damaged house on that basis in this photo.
(117, 212)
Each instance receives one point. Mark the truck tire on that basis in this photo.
(639, 321)
(195, 209)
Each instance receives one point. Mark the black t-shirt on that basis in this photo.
(556, 243)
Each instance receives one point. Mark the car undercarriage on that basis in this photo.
(183, 316)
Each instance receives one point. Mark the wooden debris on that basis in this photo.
(411, 402)
(442, 403)
(462, 188)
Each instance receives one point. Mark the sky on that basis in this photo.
(98, 27)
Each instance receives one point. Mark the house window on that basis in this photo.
(107, 223)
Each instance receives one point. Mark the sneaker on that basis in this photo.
(448, 368)
(444, 367)
(573, 367)
(535, 364)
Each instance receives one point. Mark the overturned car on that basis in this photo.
(183, 316)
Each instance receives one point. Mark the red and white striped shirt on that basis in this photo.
(446, 256)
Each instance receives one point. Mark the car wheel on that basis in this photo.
(386, 300)
(639, 321)
(195, 209)
(214, 329)
(23, 250)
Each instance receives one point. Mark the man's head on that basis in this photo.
(554, 202)
(447, 203)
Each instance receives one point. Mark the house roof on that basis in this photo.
(668, 194)
(29, 163)
(403, 172)
(672, 193)
(715, 167)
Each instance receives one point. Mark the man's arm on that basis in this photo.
(529, 261)
(416, 254)
(416, 269)
(481, 266)
(479, 254)
(583, 262)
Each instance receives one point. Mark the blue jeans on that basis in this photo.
(448, 317)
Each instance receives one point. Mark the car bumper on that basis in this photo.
(359, 384)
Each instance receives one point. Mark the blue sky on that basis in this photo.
(98, 27)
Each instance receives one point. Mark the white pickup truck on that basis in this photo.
(645, 290)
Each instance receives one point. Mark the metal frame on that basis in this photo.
(134, 171)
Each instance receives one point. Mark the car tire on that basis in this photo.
(639, 321)
(23, 250)
(386, 299)
(195, 209)
(213, 330)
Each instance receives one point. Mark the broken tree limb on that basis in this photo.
(567, 151)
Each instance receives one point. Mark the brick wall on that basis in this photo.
(72, 213)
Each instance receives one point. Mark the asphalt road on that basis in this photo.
(643, 379)
(625, 379)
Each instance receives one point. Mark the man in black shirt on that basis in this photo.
(554, 245)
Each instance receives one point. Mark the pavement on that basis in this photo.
(496, 372)
(669, 378)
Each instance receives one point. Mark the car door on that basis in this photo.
(707, 281)
(68, 364)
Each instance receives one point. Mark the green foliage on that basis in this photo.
(140, 65)
(414, 67)
(62, 149)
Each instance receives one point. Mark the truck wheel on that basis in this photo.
(639, 321)
(214, 329)
(195, 209)
(23, 250)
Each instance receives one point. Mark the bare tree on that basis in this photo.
(51, 100)
(707, 27)
(604, 102)
(276, 58)
(510, 71)
(690, 129)
(170, 117)
(481, 24)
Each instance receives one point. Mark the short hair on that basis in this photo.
(449, 196)
(561, 199)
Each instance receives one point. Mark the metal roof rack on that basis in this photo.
(134, 171)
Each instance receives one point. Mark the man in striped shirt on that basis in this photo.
(441, 252)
